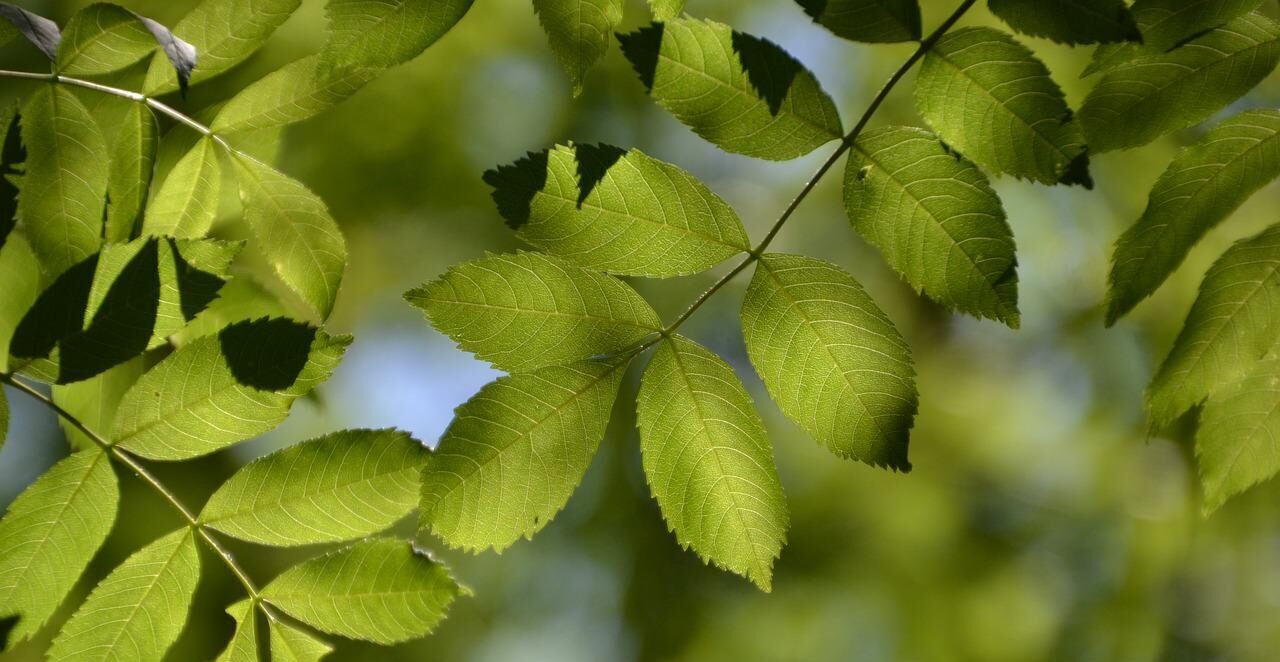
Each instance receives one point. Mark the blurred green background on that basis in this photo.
(1042, 520)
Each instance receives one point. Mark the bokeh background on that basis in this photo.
(1042, 521)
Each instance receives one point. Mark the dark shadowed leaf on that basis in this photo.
(37, 29)
(874, 21)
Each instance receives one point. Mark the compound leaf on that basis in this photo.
(515, 452)
(49, 534)
(1140, 100)
(20, 273)
(102, 38)
(379, 590)
(293, 93)
(94, 401)
(133, 154)
(66, 178)
(1233, 323)
(1070, 21)
(225, 388)
(579, 32)
(243, 646)
(384, 33)
(989, 97)
(339, 487)
(295, 231)
(873, 21)
(529, 310)
(224, 33)
(616, 211)
(1203, 185)
(186, 204)
(936, 220)
(139, 610)
(830, 358)
(1165, 24)
(290, 644)
(742, 93)
(1236, 444)
(708, 461)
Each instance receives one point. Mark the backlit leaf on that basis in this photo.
(830, 358)
(139, 610)
(515, 452)
(616, 211)
(528, 310)
(295, 92)
(379, 590)
(665, 10)
(1203, 185)
(339, 487)
(708, 461)
(988, 96)
(49, 534)
(874, 21)
(384, 33)
(936, 220)
(186, 204)
(243, 646)
(102, 38)
(225, 388)
(133, 153)
(94, 401)
(579, 32)
(744, 94)
(20, 274)
(1070, 21)
(290, 644)
(1140, 100)
(1236, 444)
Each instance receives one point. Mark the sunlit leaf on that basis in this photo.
(1140, 100)
(830, 358)
(742, 93)
(49, 534)
(874, 21)
(384, 33)
(621, 212)
(379, 590)
(290, 644)
(339, 487)
(20, 274)
(989, 97)
(1231, 326)
(1203, 185)
(94, 401)
(243, 646)
(225, 388)
(708, 461)
(103, 38)
(1070, 21)
(515, 452)
(66, 178)
(1236, 445)
(665, 10)
(528, 310)
(295, 232)
(936, 220)
(186, 203)
(579, 32)
(133, 153)
(292, 93)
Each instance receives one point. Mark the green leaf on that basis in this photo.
(936, 220)
(515, 452)
(102, 38)
(528, 310)
(139, 610)
(1167, 23)
(289, 644)
(579, 32)
(988, 96)
(244, 643)
(1138, 101)
(1236, 444)
(1203, 185)
(708, 461)
(219, 390)
(830, 358)
(49, 534)
(616, 211)
(240, 300)
(94, 401)
(295, 92)
(665, 10)
(874, 21)
(224, 33)
(379, 590)
(186, 204)
(1070, 21)
(133, 154)
(12, 158)
(1231, 326)
(66, 178)
(20, 274)
(742, 93)
(295, 231)
(384, 33)
(339, 487)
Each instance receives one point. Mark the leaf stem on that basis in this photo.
(845, 144)
(143, 473)
(136, 97)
